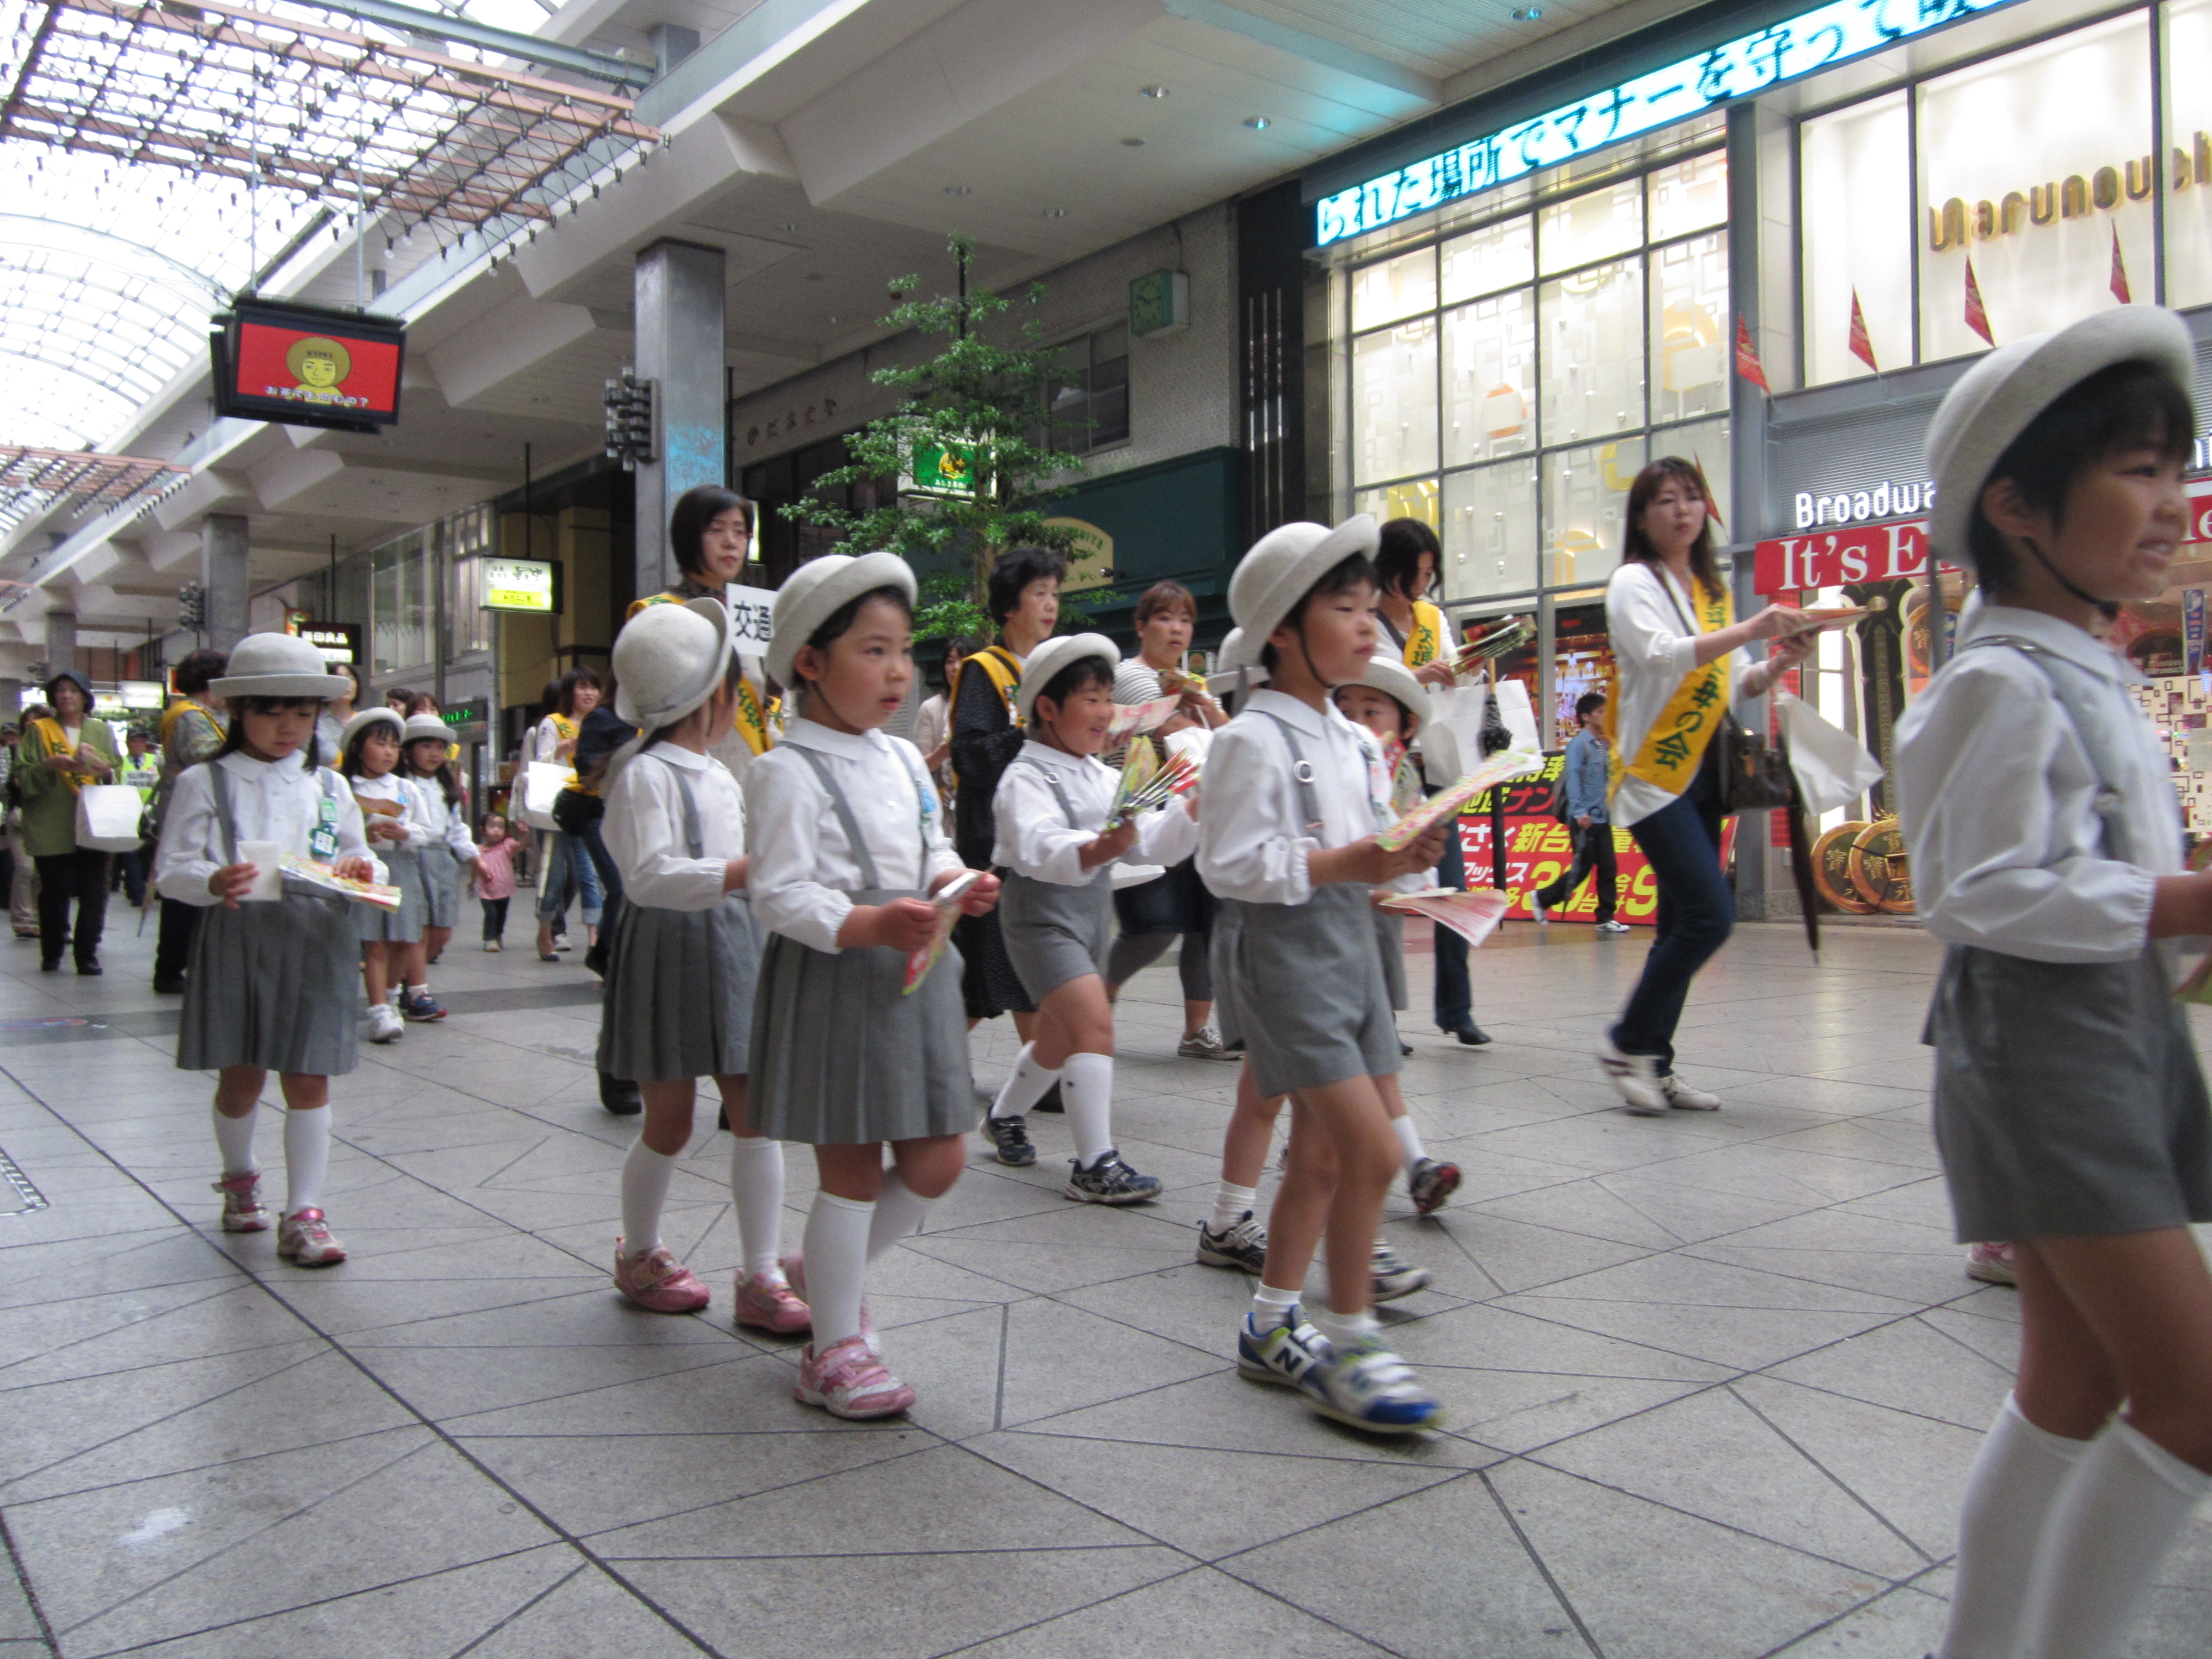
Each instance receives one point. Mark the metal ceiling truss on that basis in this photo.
(31, 479)
(276, 100)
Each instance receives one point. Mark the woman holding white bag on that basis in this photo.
(57, 758)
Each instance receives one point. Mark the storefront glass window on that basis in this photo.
(1689, 196)
(1395, 288)
(1585, 502)
(1393, 379)
(1490, 531)
(1594, 226)
(1490, 373)
(1502, 255)
(1854, 167)
(1690, 353)
(400, 595)
(1592, 376)
(2188, 154)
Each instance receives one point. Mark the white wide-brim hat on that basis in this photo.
(278, 666)
(1045, 662)
(424, 728)
(1394, 680)
(368, 717)
(817, 590)
(668, 660)
(2000, 396)
(1280, 569)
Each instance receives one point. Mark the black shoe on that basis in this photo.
(1404, 1050)
(1010, 1135)
(1470, 1034)
(722, 1118)
(596, 959)
(49, 964)
(620, 1098)
(89, 969)
(171, 986)
(1051, 1100)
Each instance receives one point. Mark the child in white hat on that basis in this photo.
(2040, 811)
(685, 952)
(270, 987)
(1056, 914)
(847, 848)
(399, 828)
(439, 807)
(1288, 843)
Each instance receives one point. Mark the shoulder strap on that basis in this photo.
(219, 785)
(2111, 806)
(1302, 771)
(694, 842)
(1052, 782)
(999, 668)
(843, 808)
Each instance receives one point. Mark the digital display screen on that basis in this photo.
(307, 369)
(529, 584)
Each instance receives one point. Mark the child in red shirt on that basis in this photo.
(495, 880)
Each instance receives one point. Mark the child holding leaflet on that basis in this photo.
(270, 987)
(443, 812)
(849, 848)
(370, 761)
(1056, 912)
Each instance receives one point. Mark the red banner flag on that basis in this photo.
(2120, 272)
(1747, 358)
(1861, 342)
(1977, 314)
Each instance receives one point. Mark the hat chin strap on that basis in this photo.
(2108, 608)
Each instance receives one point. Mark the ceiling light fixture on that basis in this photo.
(1153, 92)
(1258, 123)
(1526, 13)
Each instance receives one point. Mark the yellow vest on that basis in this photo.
(1425, 643)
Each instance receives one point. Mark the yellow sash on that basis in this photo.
(57, 742)
(1425, 643)
(1676, 743)
(749, 721)
(1002, 668)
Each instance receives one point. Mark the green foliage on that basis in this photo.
(978, 400)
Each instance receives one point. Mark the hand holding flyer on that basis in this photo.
(947, 900)
(1447, 801)
(1473, 915)
(321, 875)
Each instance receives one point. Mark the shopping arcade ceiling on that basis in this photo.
(30, 479)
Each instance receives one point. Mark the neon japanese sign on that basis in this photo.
(1750, 64)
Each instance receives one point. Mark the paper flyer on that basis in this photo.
(1473, 915)
(1135, 719)
(1447, 801)
(322, 876)
(947, 900)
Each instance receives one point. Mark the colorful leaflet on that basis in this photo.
(1135, 719)
(1509, 633)
(1147, 783)
(1447, 802)
(322, 876)
(947, 900)
(1472, 914)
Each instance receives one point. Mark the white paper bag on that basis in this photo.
(1451, 736)
(1832, 767)
(541, 781)
(107, 816)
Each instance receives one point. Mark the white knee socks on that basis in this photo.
(836, 1266)
(1409, 1141)
(1086, 1089)
(1025, 1087)
(307, 1156)
(756, 1189)
(234, 1139)
(2108, 1530)
(645, 1177)
(2009, 1489)
(899, 1211)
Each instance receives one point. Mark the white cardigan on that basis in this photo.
(1651, 653)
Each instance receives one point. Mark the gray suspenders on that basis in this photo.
(1066, 806)
(226, 817)
(846, 822)
(1303, 773)
(2109, 806)
(695, 843)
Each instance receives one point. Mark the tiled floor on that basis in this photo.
(1714, 1381)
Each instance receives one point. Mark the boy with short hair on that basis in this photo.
(1589, 825)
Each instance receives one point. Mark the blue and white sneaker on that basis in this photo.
(1370, 1388)
(1285, 1354)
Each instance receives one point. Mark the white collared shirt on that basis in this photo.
(645, 833)
(1253, 837)
(803, 874)
(269, 800)
(1034, 836)
(417, 829)
(439, 822)
(1997, 797)
(1645, 617)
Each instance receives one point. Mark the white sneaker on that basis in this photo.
(1643, 1090)
(1613, 927)
(1683, 1098)
(384, 1024)
(1540, 910)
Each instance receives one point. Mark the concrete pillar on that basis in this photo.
(680, 293)
(61, 641)
(1763, 887)
(222, 577)
(11, 700)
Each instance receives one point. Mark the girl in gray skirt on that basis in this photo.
(2040, 812)
(847, 1052)
(1059, 852)
(272, 983)
(428, 748)
(680, 995)
(391, 940)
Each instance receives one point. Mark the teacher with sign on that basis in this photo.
(1679, 661)
(711, 533)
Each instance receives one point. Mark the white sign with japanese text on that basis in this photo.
(752, 617)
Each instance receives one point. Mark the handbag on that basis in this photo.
(542, 784)
(107, 817)
(1755, 773)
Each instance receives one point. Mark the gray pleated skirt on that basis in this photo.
(441, 887)
(404, 865)
(679, 995)
(2068, 1102)
(1301, 986)
(840, 1058)
(1390, 940)
(275, 985)
(1055, 932)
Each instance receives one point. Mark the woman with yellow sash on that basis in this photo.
(57, 757)
(1679, 662)
(711, 533)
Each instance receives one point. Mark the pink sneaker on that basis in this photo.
(1992, 1264)
(849, 1381)
(242, 1211)
(306, 1238)
(768, 1303)
(794, 1269)
(659, 1281)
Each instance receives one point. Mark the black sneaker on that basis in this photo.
(1010, 1135)
(1470, 1034)
(1109, 1181)
(1050, 1102)
(1243, 1244)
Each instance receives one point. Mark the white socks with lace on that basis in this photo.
(1025, 1086)
(306, 1158)
(756, 1190)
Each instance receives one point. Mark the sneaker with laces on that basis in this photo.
(768, 1303)
(1992, 1264)
(242, 1210)
(1203, 1044)
(1109, 1181)
(422, 1007)
(659, 1282)
(1285, 1353)
(1643, 1090)
(849, 1381)
(1370, 1388)
(1393, 1276)
(1432, 1182)
(384, 1024)
(1610, 929)
(1683, 1098)
(1242, 1244)
(1010, 1137)
(305, 1236)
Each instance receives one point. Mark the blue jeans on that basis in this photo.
(1681, 843)
(1455, 997)
(568, 869)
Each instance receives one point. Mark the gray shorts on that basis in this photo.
(1301, 985)
(1054, 933)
